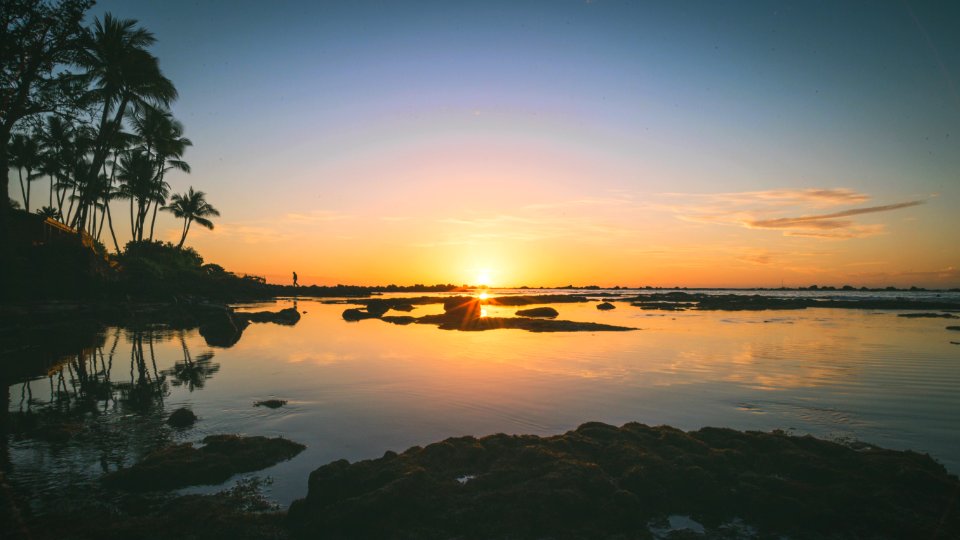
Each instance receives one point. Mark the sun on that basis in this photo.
(483, 278)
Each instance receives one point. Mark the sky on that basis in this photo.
(563, 142)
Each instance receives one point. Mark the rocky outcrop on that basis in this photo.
(221, 457)
(605, 306)
(545, 312)
(182, 418)
(601, 481)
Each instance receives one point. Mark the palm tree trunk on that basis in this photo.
(22, 191)
(113, 234)
(133, 224)
(50, 201)
(186, 229)
(27, 200)
(153, 220)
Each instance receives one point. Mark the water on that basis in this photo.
(355, 390)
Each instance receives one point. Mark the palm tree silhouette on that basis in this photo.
(122, 72)
(25, 154)
(191, 206)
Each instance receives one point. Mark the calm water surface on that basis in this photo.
(355, 390)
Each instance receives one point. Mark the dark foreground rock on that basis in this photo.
(605, 306)
(221, 457)
(182, 418)
(546, 312)
(600, 481)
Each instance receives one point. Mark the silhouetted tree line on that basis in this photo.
(87, 108)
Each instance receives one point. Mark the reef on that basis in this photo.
(465, 313)
(600, 481)
(221, 457)
(756, 302)
(546, 312)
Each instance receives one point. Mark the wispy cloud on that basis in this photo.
(766, 209)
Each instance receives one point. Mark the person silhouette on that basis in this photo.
(295, 280)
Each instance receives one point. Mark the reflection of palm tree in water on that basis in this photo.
(192, 372)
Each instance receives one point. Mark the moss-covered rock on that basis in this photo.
(601, 481)
(221, 457)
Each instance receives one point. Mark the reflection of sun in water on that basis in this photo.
(483, 312)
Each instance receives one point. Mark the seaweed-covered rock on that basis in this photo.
(182, 418)
(354, 314)
(221, 457)
(601, 481)
(605, 306)
(289, 316)
(546, 312)
(270, 403)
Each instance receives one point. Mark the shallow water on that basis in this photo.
(355, 390)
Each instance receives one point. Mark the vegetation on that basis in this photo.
(88, 108)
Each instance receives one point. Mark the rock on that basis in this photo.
(461, 309)
(525, 300)
(288, 316)
(221, 329)
(182, 418)
(953, 328)
(354, 314)
(399, 319)
(604, 306)
(600, 481)
(221, 457)
(546, 312)
(928, 315)
(520, 323)
(378, 307)
(271, 403)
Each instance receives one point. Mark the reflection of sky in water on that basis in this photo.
(358, 389)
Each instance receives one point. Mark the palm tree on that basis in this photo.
(162, 137)
(47, 212)
(122, 73)
(191, 206)
(25, 154)
(135, 172)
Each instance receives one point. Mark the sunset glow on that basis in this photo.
(567, 144)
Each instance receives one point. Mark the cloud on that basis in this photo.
(825, 221)
(766, 209)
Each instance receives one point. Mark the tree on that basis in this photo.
(191, 207)
(36, 39)
(162, 137)
(121, 72)
(25, 154)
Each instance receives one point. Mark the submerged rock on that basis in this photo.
(271, 403)
(221, 457)
(601, 481)
(604, 306)
(547, 312)
(182, 418)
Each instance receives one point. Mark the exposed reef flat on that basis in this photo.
(221, 457)
(465, 313)
(756, 302)
(600, 481)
